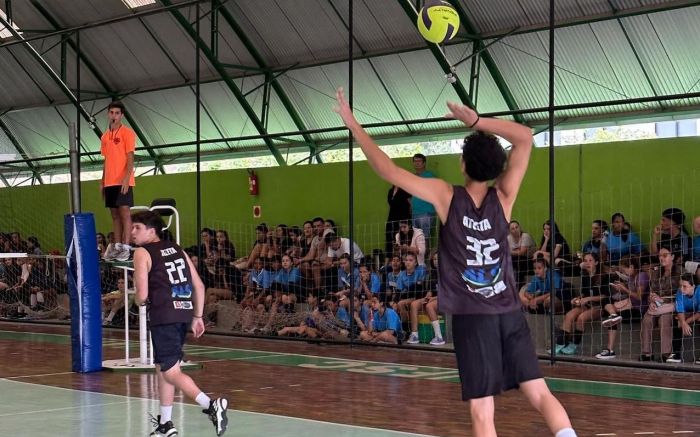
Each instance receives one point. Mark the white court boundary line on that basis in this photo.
(276, 354)
(344, 425)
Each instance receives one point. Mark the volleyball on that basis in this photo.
(438, 21)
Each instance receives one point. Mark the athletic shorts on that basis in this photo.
(167, 344)
(494, 353)
(114, 197)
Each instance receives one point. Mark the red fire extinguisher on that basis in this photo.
(253, 185)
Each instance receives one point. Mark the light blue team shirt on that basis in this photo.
(344, 278)
(343, 316)
(538, 286)
(618, 248)
(260, 279)
(420, 206)
(406, 281)
(392, 280)
(375, 284)
(390, 320)
(688, 304)
(288, 277)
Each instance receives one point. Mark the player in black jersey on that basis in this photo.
(476, 284)
(167, 282)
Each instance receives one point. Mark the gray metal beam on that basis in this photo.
(221, 70)
(439, 55)
(6, 129)
(103, 82)
(284, 99)
(489, 62)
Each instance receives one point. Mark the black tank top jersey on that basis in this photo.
(475, 270)
(170, 284)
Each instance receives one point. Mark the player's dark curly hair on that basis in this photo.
(483, 155)
(150, 219)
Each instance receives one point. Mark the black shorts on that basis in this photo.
(114, 197)
(167, 344)
(494, 353)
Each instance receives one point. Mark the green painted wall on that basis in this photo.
(639, 178)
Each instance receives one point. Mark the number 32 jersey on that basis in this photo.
(475, 269)
(170, 284)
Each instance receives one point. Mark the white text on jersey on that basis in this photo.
(483, 225)
(167, 252)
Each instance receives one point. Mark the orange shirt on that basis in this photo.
(116, 146)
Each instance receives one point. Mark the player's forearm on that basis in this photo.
(515, 133)
(378, 160)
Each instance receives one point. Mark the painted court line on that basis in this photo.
(53, 410)
(126, 399)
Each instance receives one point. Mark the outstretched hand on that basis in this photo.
(463, 113)
(343, 108)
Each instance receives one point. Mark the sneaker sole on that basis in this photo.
(438, 344)
(606, 357)
(221, 418)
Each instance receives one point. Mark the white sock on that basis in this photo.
(414, 333)
(566, 432)
(166, 413)
(117, 246)
(126, 246)
(204, 401)
(32, 300)
(110, 317)
(40, 296)
(436, 328)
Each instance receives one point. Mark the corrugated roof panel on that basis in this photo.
(416, 83)
(180, 48)
(128, 56)
(312, 91)
(654, 54)
(19, 90)
(39, 131)
(381, 25)
(678, 31)
(522, 60)
(488, 96)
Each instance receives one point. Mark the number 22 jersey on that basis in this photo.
(170, 284)
(475, 269)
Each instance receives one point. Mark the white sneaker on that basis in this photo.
(110, 253)
(437, 341)
(413, 339)
(123, 254)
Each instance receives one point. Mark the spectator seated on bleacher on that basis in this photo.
(410, 240)
(696, 239)
(521, 248)
(663, 284)
(597, 243)
(687, 310)
(536, 296)
(621, 240)
(586, 307)
(384, 325)
(428, 303)
(628, 300)
(561, 247)
(671, 233)
(411, 287)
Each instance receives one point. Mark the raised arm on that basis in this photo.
(517, 134)
(433, 190)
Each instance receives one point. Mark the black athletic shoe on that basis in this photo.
(166, 429)
(217, 415)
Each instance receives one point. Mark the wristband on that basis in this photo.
(478, 117)
(196, 317)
